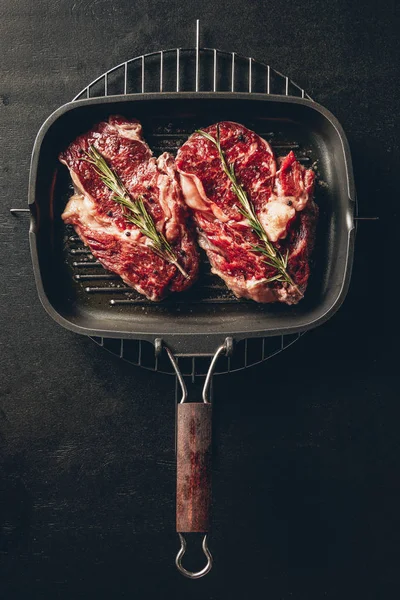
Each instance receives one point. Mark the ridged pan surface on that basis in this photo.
(82, 296)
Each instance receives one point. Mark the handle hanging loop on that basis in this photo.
(193, 574)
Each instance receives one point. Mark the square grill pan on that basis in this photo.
(80, 295)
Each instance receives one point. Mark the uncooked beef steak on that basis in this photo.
(282, 199)
(101, 222)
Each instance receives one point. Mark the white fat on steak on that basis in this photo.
(274, 217)
(81, 208)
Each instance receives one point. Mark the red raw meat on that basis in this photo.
(283, 202)
(99, 220)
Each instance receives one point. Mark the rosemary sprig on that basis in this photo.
(134, 211)
(273, 257)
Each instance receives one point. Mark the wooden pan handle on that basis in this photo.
(193, 467)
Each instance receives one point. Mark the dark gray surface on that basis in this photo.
(306, 488)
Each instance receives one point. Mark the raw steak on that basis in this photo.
(100, 222)
(282, 199)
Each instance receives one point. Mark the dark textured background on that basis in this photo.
(306, 470)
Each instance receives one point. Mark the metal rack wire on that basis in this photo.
(191, 69)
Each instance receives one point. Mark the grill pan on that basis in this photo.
(191, 321)
(207, 320)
